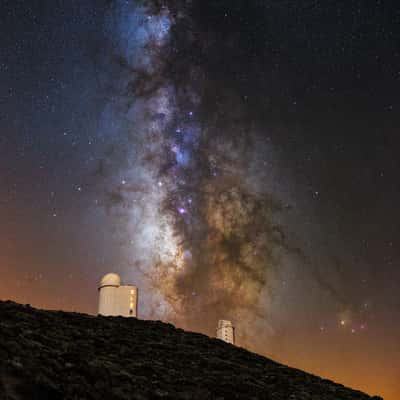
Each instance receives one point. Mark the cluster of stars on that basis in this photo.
(343, 324)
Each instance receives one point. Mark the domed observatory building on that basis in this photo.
(117, 299)
(226, 331)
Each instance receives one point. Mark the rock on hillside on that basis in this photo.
(59, 355)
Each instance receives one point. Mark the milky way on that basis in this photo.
(204, 241)
(234, 159)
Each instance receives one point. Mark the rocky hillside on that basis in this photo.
(59, 355)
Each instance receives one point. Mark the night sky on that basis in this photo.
(233, 159)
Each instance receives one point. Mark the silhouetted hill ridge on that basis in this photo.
(61, 355)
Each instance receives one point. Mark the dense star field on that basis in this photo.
(233, 159)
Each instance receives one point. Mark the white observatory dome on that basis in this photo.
(110, 279)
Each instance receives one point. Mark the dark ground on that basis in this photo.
(59, 355)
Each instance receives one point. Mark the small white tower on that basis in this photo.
(116, 299)
(226, 331)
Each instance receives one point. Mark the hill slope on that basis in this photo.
(59, 355)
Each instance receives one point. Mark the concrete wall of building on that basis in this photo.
(126, 301)
(226, 331)
(107, 295)
(116, 299)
